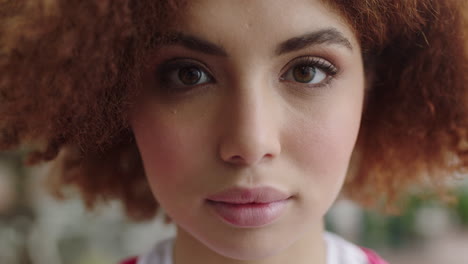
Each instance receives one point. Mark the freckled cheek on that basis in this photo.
(321, 153)
(323, 148)
(169, 153)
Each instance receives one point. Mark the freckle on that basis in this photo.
(173, 111)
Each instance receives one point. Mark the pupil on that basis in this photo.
(304, 74)
(189, 75)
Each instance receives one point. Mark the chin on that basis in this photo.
(249, 247)
(246, 252)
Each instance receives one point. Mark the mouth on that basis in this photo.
(249, 208)
(245, 195)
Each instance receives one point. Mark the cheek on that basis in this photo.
(321, 147)
(161, 148)
(324, 149)
(170, 151)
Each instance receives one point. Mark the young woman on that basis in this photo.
(242, 119)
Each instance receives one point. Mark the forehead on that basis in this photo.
(228, 21)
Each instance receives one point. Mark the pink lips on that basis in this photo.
(249, 207)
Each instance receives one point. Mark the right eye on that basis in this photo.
(181, 75)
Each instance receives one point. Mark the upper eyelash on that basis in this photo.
(320, 63)
(177, 64)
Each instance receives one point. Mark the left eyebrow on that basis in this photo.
(329, 35)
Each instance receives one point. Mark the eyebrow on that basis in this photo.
(329, 36)
(193, 43)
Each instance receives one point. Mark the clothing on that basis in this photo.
(339, 251)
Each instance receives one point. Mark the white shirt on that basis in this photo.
(339, 251)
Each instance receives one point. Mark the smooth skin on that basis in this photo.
(250, 104)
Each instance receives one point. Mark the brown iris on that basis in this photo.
(190, 75)
(304, 74)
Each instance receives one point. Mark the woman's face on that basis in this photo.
(249, 94)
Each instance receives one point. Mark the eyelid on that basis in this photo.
(178, 63)
(323, 64)
(166, 69)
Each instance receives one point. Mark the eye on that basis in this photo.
(309, 70)
(189, 75)
(307, 74)
(181, 74)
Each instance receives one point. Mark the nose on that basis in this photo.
(250, 125)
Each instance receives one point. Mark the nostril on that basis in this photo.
(237, 159)
(245, 153)
(240, 160)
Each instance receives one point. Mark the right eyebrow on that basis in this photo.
(193, 43)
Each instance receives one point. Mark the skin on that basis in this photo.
(250, 124)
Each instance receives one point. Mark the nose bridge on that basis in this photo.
(251, 132)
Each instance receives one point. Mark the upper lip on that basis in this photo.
(240, 195)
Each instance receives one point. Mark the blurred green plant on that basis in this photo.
(395, 231)
(462, 206)
(399, 231)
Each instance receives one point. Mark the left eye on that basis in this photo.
(307, 74)
(309, 70)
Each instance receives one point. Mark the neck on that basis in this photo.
(309, 248)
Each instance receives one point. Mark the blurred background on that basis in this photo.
(36, 229)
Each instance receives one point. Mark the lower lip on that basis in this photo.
(249, 215)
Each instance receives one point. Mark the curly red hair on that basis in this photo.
(70, 74)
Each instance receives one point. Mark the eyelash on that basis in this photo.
(166, 71)
(174, 66)
(321, 64)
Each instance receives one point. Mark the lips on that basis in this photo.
(242, 207)
(244, 195)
